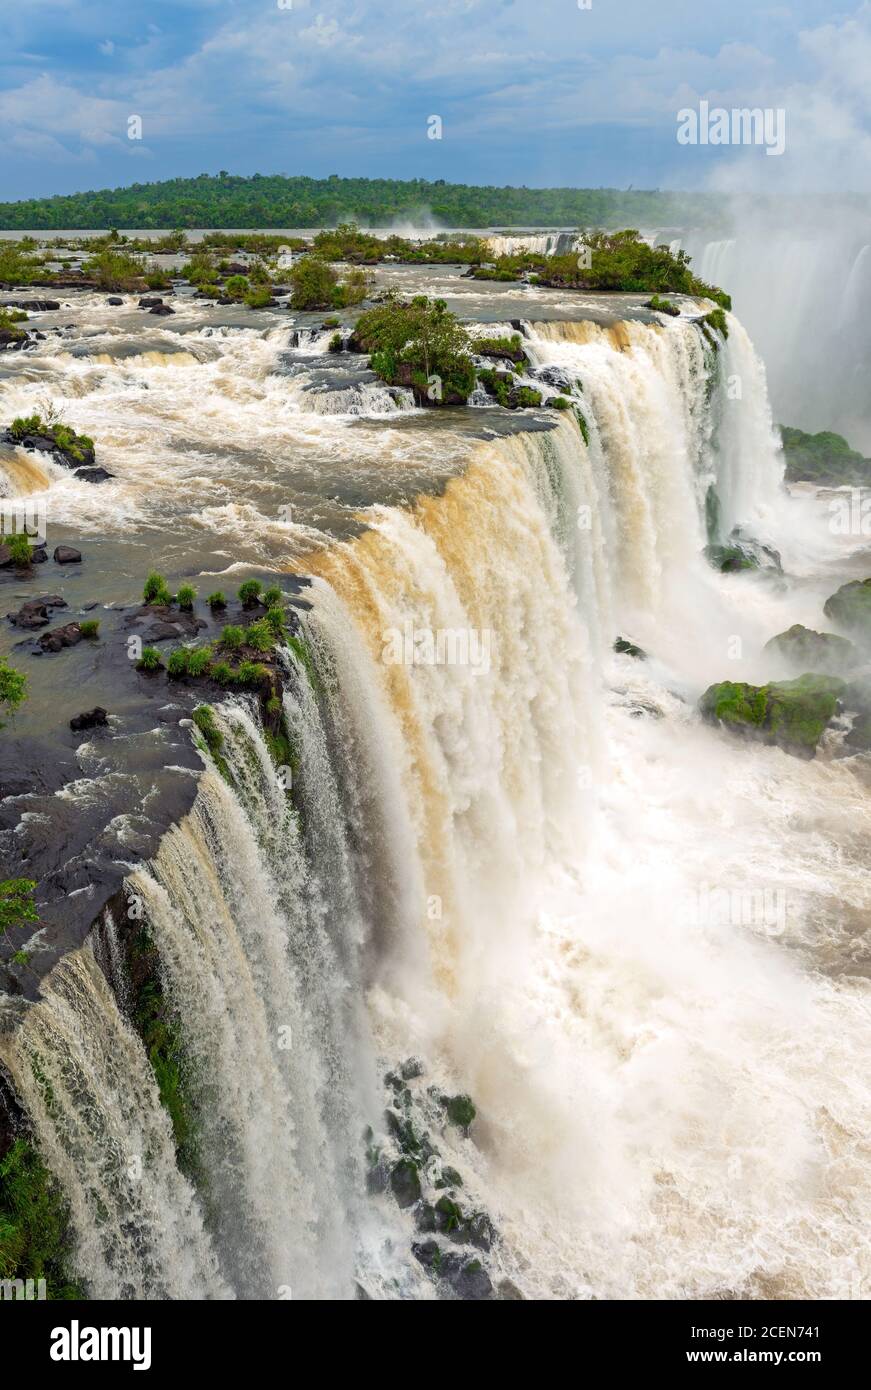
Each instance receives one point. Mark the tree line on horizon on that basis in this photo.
(229, 200)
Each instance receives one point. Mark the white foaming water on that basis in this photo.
(513, 861)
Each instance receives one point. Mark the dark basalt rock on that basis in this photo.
(807, 650)
(115, 300)
(405, 1182)
(627, 648)
(150, 301)
(80, 462)
(162, 310)
(793, 715)
(468, 1278)
(35, 612)
(36, 306)
(850, 608)
(164, 623)
(55, 641)
(66, 555)
(94, 475)
(90, 719)
(553, 376)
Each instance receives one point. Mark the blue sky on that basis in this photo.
(528, 93)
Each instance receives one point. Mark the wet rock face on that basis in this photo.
(55, 641)
(792, 715)
(90, 719)
(35, 612)
(806, 650)
(67, 554)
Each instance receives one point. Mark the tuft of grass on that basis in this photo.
(217, 600)
(232, 637)
(149, 660)
(90, 628)
(186, 597)
(156, 590)
(249, 592)
(19, 547)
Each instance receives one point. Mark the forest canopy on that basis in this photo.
(229, 200)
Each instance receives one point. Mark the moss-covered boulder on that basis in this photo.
(742, 554)
(850, 608)
(806, 650)
(789, 714)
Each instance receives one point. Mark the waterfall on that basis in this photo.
(483, 864)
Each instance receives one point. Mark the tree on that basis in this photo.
(13, 688)
(17, 907)
(314, 283)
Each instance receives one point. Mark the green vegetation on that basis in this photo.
(13, 688)
(161, 1037)
(663, 306)
(259, 298)
(229, 200)
(232, 637)
(850, 608)
(186, 597)
(149, 660)
(156, 590)
(716, 320)
(217, 600)
(791, 714)
(249, 593)
(273, 596)
(16, 267)
(17, 908)
(34, 1223)
(420, 344)
(9, 321)
(335, 344)
(460, 1110)
(316, 286)
(20, 549)
(509, 348)
(559, 403)
(260, 636)
(823, 458)
(116, 270)
(90, 628)
(236, 287)
(78, 446)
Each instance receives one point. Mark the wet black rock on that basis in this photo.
(150, 301)
(115, 300)
(164, 624)
(162, 310)
(35, 612)
(405, 1182)
(627, 648)
(36, 306)
(94, 475)
(468, 1278)
(67, 636)
(66, 555)
(90, 719)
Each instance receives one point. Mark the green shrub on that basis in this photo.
(249, 674)
(314, 283)
(185, 597)
(222, 672)
(249, 592)
(34, 1231)
(259, 298)
(237, 287)
(275, 620)
(178, 664)
(149, 660)
(199, 659)
(232, 637)
(19, 547)
(422, 339)
(156, 590)
(114, 270)
(335, 344)
(217, 600)
(260, 636)
(90, 628)
(332, 322)
(716, 319)
(559, 403)
(663, 306)
(13, 688)
(17, 908)
(273, 596)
